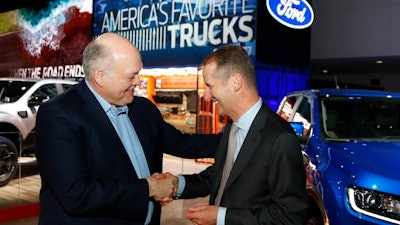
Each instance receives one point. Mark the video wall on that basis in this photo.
(46, 40)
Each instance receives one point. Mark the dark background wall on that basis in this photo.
(347, 38)
(356, 28)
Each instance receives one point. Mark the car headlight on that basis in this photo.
(376, 204)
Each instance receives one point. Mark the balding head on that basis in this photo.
(102, 52)
(112, 64)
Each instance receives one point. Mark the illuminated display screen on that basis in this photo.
(178, 32)
(45, 41)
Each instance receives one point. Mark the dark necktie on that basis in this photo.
(228, 162)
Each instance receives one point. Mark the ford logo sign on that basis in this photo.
(296, 14)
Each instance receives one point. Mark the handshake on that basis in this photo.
(163, 187)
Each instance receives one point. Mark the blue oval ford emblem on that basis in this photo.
(296, 14)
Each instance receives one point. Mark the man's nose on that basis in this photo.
(207, 94)
(136, 80)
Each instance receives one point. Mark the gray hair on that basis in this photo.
(96, 56)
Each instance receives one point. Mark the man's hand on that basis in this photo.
(166, 200)
(203, 215)
(162, 187)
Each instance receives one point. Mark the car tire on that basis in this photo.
(8, 161)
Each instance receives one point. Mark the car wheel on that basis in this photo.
(8, 161)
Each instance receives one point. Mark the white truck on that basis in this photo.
(20, 99)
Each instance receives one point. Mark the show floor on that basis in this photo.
(27, 188)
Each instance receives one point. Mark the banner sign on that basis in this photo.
(61, 71)
(178, 32)
(296, 14)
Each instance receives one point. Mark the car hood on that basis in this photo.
(368, 162)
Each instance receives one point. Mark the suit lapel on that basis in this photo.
(138, 119)
(96, 114)
(100, 120)
(253, 138)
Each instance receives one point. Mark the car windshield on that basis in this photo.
(11, 91)
(374, 118)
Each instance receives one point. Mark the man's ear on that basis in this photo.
(98, 76)
(237, 81)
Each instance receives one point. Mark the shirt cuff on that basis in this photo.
(181, 185)
(221, 215)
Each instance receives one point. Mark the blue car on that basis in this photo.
(351, 148)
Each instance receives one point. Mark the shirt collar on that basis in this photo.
(245, 121)
(104, 104)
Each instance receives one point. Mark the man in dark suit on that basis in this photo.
(267, 183)
(98, 144)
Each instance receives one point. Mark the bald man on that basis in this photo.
(99, 147)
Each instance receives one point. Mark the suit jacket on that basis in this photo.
(87, 176)
(267, 183)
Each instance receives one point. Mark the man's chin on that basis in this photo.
(129, 99)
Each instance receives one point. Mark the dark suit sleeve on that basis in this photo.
(202, 184)
(198, 185)
(191, 146)
(171, 140)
